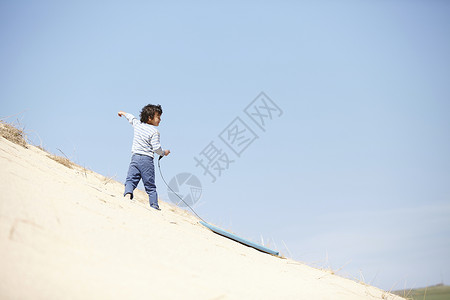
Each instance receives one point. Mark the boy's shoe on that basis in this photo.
(155, 207)
(127, 196)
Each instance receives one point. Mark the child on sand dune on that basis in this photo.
(145, 144)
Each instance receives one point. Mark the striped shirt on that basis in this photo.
(146, 138)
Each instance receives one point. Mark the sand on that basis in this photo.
(69, 234)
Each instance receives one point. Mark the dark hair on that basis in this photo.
(149, 111)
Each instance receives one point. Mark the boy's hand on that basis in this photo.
(166, 152)
(121, 113)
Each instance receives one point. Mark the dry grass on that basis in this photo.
(17, 135)
(62, 160)
(42, 148)
(13, 134)
(107, 180)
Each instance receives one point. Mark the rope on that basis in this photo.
(159, 167)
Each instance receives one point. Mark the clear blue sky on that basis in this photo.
(354, 175)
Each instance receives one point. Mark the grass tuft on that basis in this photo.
(13, 134)
(16, 135)
(62, 160)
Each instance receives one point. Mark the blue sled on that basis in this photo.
(239, 239)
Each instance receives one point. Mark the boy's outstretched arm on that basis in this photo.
(132, 119)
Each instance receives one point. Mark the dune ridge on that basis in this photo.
(69, 233)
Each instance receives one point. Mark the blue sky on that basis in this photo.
(354, 175)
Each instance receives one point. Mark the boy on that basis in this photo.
(145, 144)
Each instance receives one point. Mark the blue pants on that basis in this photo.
(141, 166)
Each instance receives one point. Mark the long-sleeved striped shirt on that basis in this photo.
(146, 138)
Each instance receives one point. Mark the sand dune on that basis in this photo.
(69, 234)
